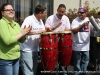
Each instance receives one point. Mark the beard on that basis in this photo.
(60, 16)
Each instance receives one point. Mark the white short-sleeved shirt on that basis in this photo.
(81, 40)
(32, 41)
(53, 21)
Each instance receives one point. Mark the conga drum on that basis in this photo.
(64, 48)
(49, 50)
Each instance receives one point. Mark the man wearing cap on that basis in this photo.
(81, 39)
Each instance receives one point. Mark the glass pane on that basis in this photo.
(3, 1)
(24, 8)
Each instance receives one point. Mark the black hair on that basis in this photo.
(61, 5)
(39, 8)
(2, 8)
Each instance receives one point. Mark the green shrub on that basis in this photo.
(72, 13)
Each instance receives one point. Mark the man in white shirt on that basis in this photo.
(81, 40)
(29, 49)
(58, 22)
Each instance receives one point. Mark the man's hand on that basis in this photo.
(52, 29)
(59, 24)
(26, 30)
(48, 29)
(86, 23)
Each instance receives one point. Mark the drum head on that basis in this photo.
(46, 33)
(64, 32)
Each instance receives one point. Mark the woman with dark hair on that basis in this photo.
(10, 36)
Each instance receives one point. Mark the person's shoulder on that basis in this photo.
(76, 19)
(2, 21)
(29, 17)
(51, 16)
(65, 16)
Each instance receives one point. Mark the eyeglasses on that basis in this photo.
(9, 10)
(81, 12)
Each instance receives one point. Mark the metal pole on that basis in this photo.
(80, 3)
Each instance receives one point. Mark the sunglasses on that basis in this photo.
(9, 10)
(81, 12)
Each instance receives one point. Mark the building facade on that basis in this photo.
(24, 8)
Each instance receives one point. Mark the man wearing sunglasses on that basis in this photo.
(81, 39)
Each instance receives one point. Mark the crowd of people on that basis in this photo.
(21, 43)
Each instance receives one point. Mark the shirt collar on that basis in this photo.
(35, 18)
(40, 22)
(8, 21)
(57, 19)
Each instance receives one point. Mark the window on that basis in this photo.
(24, 8)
